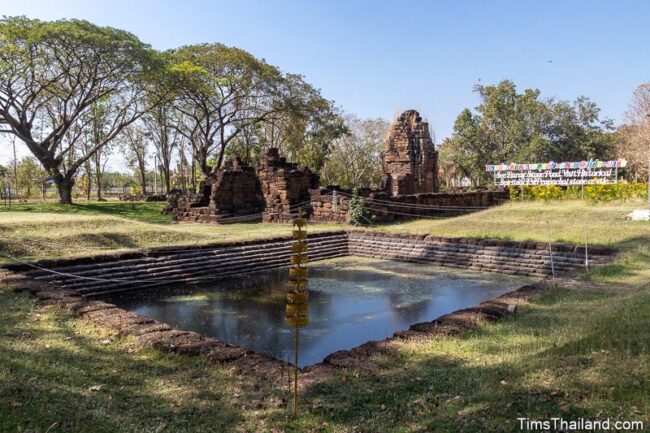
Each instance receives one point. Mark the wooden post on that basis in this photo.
(550, 251)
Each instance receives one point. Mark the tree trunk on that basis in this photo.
(143, 180)
(88, 180)
(202, 159)
(193, 174)
(98, 181)
(168, 183)
(64, 187)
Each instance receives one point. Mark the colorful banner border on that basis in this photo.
(540, 166)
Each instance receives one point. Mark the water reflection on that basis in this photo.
(352, 300)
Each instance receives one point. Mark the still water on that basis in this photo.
(352, 300)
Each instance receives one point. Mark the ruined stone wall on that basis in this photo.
(409, 159)
(285, 186)
(236, 190)
(327, 207)
(231, 191)
(386, 208)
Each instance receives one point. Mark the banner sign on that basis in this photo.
(556, 173)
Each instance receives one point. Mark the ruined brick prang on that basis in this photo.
(409, 159)
(285, 186)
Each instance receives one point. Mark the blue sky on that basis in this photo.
(377, 57)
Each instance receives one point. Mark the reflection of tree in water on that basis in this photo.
(409, 312)
(352, 301)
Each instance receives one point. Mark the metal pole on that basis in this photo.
(550, 251)
(586, 248)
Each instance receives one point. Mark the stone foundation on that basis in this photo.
(326, 206)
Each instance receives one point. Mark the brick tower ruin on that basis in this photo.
(410, 160)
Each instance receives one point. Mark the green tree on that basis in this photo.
(134, 146)
(30, 175)
(354, 159)
(508, 126)
(227, 97)
(222, 90)
(52, 74)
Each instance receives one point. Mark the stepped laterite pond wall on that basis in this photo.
(107, 274)
(75, 284)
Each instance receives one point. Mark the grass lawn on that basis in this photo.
(575, 352)
(47, 230)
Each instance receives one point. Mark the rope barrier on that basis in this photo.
(414, 205)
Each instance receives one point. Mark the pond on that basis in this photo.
(352, 300)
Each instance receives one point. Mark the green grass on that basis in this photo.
(572, 354)
(148, 212)
(576, 352)
(48, 230)
(606, 223)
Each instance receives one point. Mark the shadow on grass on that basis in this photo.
(76, 384)
(598, 364)
(146, 212)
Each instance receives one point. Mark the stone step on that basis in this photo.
(560, 260)
(189, 254)
(215, 266)
(198, 277)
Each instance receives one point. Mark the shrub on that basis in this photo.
(594, 193)
(359, 213)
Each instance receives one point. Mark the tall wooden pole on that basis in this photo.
(297, 306)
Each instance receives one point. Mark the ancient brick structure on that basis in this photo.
(328, 206)
(273, 190)
(276, 189)
(409, 158)
(231, 191)
(285, 186)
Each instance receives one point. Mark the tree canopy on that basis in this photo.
(354, 159)
(508, 126)
(227, 96)
(53, 74)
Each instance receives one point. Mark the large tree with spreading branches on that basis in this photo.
(54, 74)
(226, 96)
